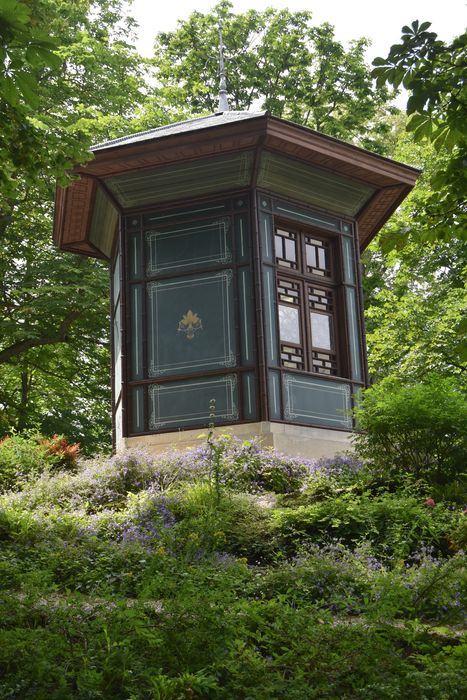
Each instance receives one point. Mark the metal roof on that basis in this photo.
(180, 128)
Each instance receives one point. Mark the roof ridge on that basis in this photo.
(168, 127)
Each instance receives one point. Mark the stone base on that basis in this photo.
(292, 440)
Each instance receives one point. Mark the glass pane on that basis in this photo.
(311, 256)
(278, 242)
(322, 258)
(191, 324)
(289, 324)
(320, 331)
(290, 250)
(188, 402)
(316, 401)
(188, 246)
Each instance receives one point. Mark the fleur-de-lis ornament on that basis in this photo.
(189, 324)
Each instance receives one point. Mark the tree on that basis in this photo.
(54, 354)
(276, 60)
(415, 288)
(434, 74)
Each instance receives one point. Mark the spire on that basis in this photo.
(223, 101)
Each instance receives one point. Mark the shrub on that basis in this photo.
(20, 458)
(396, 524)
(420, 429)
(65, 455)
(25, 456)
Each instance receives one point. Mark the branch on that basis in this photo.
(23, 345)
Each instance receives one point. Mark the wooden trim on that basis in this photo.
(337, 154)
(392, 180)
(173, 148)
(378, 210)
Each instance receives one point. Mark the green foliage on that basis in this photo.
(87, 82)
(21, 457)
(277, 58)
(434, 74)
(395, 524)
(125, 582)
(418, 429)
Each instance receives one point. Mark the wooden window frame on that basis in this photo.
(331, 283)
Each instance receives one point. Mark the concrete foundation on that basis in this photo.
(293, 440)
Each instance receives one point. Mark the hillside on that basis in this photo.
(230, 572)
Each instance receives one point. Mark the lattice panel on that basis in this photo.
(291, 357)
(320, 299)
(288, 291)
(324, 363)
(318, 259)
(285, 243)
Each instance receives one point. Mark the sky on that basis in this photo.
(379, 21)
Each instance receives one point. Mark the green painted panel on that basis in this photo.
(117, 353)
(116, 279)
(266, 231)
(292, 211)
(182, 180)
(104, 223)
(264, 202)
(194, 211)
(191, 324)
(274, 395)
(316, 401)
(354, 335)
(188, 402)
(247, 323)
(249, 396)
(349, 260)
(188, 246)
(312, 185)
(135, 256)
(137, 409)
(269, 295)
(242, 237)
(136, 336)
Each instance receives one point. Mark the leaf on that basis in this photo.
(27, 84)
(9, 91)
(424, 26)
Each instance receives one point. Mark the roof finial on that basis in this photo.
(223, 101)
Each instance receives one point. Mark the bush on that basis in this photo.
(420, 429)
(396, 524)
(65, 455)
(20, 458)
(25, 456)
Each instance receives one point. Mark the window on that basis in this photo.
(306, 301)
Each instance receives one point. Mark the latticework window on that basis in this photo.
(306, 308)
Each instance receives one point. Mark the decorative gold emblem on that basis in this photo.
(189, 324)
